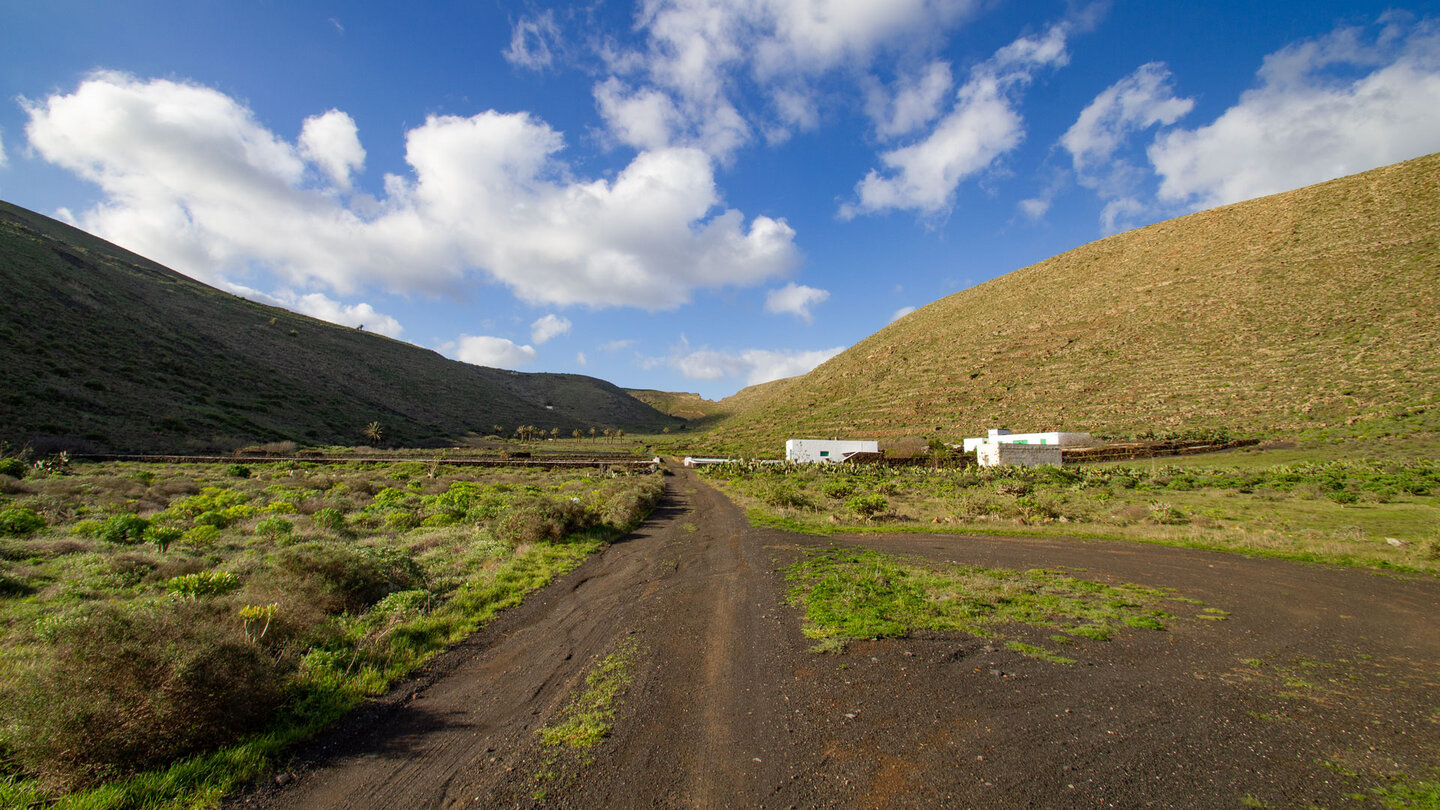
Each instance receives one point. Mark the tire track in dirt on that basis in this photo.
(728, 709)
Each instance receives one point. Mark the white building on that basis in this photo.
(1002, 447)
(1003, 436)
(809, 451)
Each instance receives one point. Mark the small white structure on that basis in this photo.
(1002, 447)
(809, 451)
(1003, 436)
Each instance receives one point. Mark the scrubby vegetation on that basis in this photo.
(155, 615)
(850, 594)
(1379, 513)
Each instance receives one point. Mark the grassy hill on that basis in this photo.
(1312, 313)
(103, 349)
(688, 406)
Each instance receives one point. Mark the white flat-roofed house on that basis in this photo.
(810, 451)
(989, 451)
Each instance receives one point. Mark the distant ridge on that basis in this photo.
(1314, 311)
(689, 406)
(103, 349)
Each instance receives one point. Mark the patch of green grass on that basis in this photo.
(1280, 510)
(1410, 795)
(1031, 651)
(588, 717)
(861, 594)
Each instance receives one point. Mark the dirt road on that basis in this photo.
(1318, 682)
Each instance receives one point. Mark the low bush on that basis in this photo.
(274, 528)
(20, 522)
(867, 506)
(329, 518)
(202, 583)
(538, 519)
(13, 467)
(125, 689)
(626, 508)
(163, 536)
(124, 529)
(348, 579)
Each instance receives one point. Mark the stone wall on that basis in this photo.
(992, 454)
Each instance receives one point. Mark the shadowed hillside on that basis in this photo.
(104, 349)
(1312, 312)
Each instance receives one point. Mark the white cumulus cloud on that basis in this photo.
(795, 299)
(1141, 100)
(900, 313)
(192, 179)
(1339, 104)
(549, 327)
(1144, 99)
(496, 352)
(332, 142)
(983, 125)
(753, 366)
(912, 103)
(703, 55)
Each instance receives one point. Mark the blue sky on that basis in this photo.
(690, 195)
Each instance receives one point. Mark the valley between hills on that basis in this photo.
(372, 595)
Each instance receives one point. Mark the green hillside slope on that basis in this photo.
(688, 406)
(104, 349)
(1314, 312)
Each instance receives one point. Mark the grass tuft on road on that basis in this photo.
(853, 594)
(589, 717)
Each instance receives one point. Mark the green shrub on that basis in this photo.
(867, 506)
(782, 494)
(329, 518)
(13, 467)
(536, 520)
(238, 471)
(400, 520)
(201, 536)
(348, 579)
(625, 509)
(274, 527)
(20, 522)
(838, 490)
(211, 518)
(129, 689)
(127, 529)
(163, 536)
(203, 583)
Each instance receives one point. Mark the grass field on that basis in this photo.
(1378, 513)
(166, 630)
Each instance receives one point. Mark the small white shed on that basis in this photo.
(1003, 436)
(809, 451)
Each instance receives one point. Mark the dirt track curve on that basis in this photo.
(1319, 680)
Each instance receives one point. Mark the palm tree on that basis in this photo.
(374, 432)
(577, 433)
(554, 433)
(592, 434)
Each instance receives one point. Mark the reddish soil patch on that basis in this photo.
(1318, 683)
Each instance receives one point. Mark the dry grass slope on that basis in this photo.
(1312, 312)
